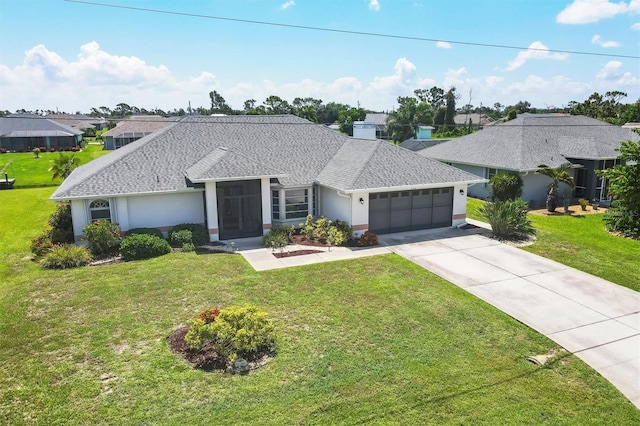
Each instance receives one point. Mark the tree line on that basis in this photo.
(434, 107)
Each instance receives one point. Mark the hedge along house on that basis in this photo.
(241, 175)
(521, 145)
(23, 134)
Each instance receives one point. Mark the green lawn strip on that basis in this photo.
(581, 241)
(29, 171)
(23, 215)
(376, 340)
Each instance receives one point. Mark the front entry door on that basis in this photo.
(239, 209)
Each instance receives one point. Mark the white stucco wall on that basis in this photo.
(359, 213)
(164, 210)
(265, 189)
(212, 211)
(80, 217)
(334, 206)
(459, 214)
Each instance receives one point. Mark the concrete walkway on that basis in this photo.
(594, 319)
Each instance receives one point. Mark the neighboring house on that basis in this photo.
(523, 144)
(241, 175)
(462, 120)
(380, 121)
(134, 128)
(77, 121)
(422, 140)
(24, 133)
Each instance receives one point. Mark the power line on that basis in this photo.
(362, 33)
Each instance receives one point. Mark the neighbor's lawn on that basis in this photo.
(376, 340)
(29, 171)
(582, 243)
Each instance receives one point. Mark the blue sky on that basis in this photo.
(74, 56)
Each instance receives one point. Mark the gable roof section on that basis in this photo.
(26, 127)
(531, 140)
(225, 164)
(295, 150)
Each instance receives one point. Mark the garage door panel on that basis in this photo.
(410, 210)
(421, 218)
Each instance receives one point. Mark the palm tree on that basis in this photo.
(63, 165)
(558, 175)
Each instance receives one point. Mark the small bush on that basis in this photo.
(325, 230)
(188, 247)
(66, 256)
(42, 244)
(61, 224)
(148, 231)
(278, 236)
(235, 332)
(199, 233)
(180, 238)
(367, 239)
(143, 246)
(508, 219)
(506, 187)
(103, 237)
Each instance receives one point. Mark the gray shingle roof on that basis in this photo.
(24, 127)
(531, 140)
(137, 125)
(295, 150)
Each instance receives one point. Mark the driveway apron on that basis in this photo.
(594, 319)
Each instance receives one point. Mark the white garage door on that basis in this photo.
(410, 210)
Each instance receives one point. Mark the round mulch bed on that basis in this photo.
(207, 359)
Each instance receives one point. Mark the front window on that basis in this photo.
(296, 203)
(100, 210)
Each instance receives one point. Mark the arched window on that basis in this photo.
(99, 210)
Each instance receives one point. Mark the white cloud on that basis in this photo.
(536, 50)
(611, 71)
(606, 44)
(96, 76)
(493, 80)
(374, 5)
(589, 11)
(636, 26)
(287, 5)
(443, 45)
(557, 90)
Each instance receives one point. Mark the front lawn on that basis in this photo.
(29, 171)
(375, 340)
(582, 243)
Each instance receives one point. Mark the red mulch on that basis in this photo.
(295, 253)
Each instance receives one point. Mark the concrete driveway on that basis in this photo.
(596, 320)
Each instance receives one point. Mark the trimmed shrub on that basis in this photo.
(66, 256)
(508, 219)
(42, 244)
(278, 236)
(367, 239)
(103, 237)
(148, 231)
(143, 246)
(506, 187)
(199, 233)
(61, 224)
(180, 238)
(234, 332)
(188, 247)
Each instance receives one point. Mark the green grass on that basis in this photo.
(582, 243)
(375, 340)
(29, 171)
